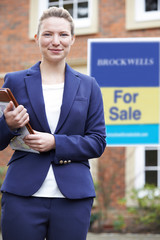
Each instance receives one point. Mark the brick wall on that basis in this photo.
(18, 52)
(111, 173)
(5, 156)
(1, 82)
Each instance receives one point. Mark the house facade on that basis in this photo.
(120, 168)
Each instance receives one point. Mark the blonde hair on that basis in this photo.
(56, 12)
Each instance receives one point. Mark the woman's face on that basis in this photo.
(54, 39)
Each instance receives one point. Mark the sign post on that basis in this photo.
(128, 73)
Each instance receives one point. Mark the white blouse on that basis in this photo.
(53, 95)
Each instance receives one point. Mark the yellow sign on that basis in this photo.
(131, 105)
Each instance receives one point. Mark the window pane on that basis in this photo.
(151, 5)
(151, 158)
(69, 7)
(53, 5)
(83, 10)
(52, 1)
(151, 177)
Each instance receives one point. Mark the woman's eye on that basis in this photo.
(47, 34)
(64, 34)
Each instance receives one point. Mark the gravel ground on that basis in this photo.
(113, 236)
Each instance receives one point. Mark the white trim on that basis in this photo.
(137, 39)
(85, 22)
(153, 168)
(142, 15)
(81, 23)
(42, 5)
(139, 167)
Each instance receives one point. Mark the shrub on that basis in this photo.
(147, 212)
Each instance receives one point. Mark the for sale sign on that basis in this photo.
(128, 73)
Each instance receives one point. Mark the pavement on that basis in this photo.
(113, 236)
(128, 236)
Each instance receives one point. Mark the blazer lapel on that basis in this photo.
(34, 87)
(71, 85)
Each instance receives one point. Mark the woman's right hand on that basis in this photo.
(16, 117)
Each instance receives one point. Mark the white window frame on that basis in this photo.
(131, 23)
(79, 23)
(81, 27)
(42, 5)
(135, 171)
(140, 167)
(142, 15)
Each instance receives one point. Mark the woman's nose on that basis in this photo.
(55, 40)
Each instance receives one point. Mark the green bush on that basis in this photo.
(95, 217)
(2, 174)
(147, 212)
(119, 223)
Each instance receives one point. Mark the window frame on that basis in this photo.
(80, 23)
(135, 171)
(140, 167)
(37, 7)
(132, 23)
(142, 15)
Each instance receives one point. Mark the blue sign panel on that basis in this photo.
(132, 134)
(127, 71)
(129, 59)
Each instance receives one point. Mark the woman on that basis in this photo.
(50, 195)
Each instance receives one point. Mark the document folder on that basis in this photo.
(17, 142)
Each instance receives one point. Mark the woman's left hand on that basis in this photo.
(40, 141)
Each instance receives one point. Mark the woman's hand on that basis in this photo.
(40, 141)
(16, 117)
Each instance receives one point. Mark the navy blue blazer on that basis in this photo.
(79, 136)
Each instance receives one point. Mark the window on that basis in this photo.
(147, 165)
(80, 10)
(151, 5)
(84, 12)
(152, 167)
(142, 167)
(141, 14)
(147, 10)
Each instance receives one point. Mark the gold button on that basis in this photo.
(65, 162)
(61, 161)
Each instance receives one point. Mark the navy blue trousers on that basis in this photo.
(32, 218)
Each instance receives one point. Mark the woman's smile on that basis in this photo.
(56, 51)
